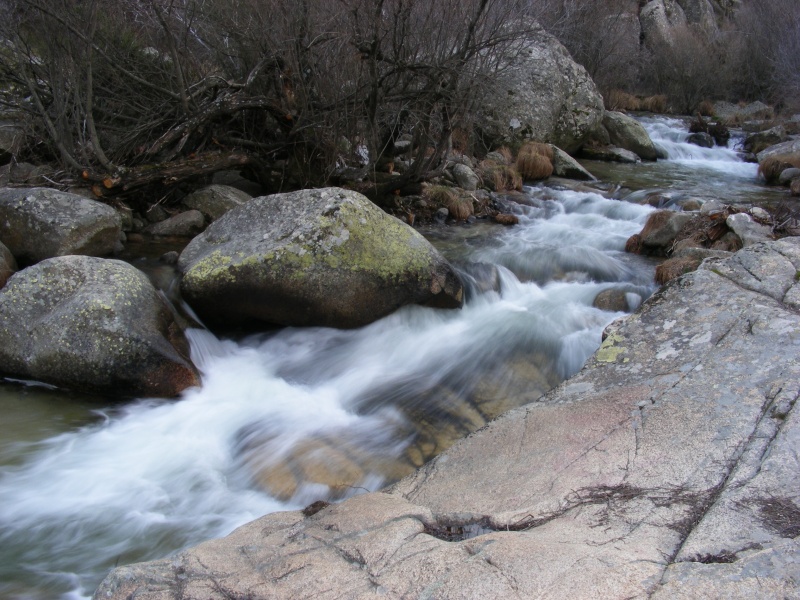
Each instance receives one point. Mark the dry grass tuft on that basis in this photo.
(654, 104)
(535, 161)
(619, 100)
(674, 268)
(460, 208)
(500, 178)
(506, 219)
(794, 187)
(506, 153)
(705, 108)
(771, 168)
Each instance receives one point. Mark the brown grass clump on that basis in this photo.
(705, 108)
(500, 178)
(675, 267)
(460, 208)
(794, 187)
(654, 104)
(535, 161)
(771, 168)
(619, 100)
(506, 219)
(506, 153)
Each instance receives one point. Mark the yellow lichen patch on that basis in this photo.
(609, 352)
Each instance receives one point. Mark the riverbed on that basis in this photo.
(288, 417)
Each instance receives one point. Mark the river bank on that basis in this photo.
(144, 479)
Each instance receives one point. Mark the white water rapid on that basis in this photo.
(150, 477)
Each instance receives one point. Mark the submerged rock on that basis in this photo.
(92, 324)
(666, 468)
(315, 257)
(39, 223)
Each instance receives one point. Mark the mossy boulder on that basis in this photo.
(92, 324)
(314, 257)
(40, 223)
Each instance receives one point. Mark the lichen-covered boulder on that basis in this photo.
(315, 257)
(92, 324)
(39, 223)
(7, 264)
(545, 96)
(626, 132)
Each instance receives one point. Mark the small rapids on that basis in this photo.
(289, 417)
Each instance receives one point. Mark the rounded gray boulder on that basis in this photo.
(315, 257)
(92, 324)
(39, 223)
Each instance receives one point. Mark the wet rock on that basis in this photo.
(156, 214)
(613, 300)
(610, 154)
(757, 142)
(666, 468)
(790, 147)
(787, 175)
(661, 230)
(92, 324)
(627, 133)
(566, 166)
(185, 224)
(544, 96)
(39, 223)
(8, 264)
(315, 257)
(702, 139)
(215, 200)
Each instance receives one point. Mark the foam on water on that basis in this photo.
(157, 475)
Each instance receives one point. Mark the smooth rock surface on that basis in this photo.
(566, 166)
(40, 223)
(748, 230)
(186, 224)
(92, 324)
(667, 468)
(315, 257)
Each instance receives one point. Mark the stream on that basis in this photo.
(292, 416)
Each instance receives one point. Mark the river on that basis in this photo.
(297, 415)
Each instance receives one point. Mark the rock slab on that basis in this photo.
(667, 468)
(316, 257)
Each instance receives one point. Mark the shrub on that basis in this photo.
(705, 108)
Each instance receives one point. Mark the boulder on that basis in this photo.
(465, 177)
(667, 468)
(39, 223)
(215, 200)
(626, 132)
(748, 230)
(544, 96)
(757, 142)
(661, 230)
(788, 175)
(566, 166)
(733, 113)
(610, 154)
(8, 265)
(702, 139)
(92, 324)
(315, 257)
(657, 19)
(185, 224)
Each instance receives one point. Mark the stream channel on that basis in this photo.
(296, 415)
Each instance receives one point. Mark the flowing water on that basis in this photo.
(296, 415)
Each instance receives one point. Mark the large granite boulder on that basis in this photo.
(545, 96)
(315, 257)
(39, 223)
(626, 132)
(8, 265)
(92, 324)
(667, 468)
